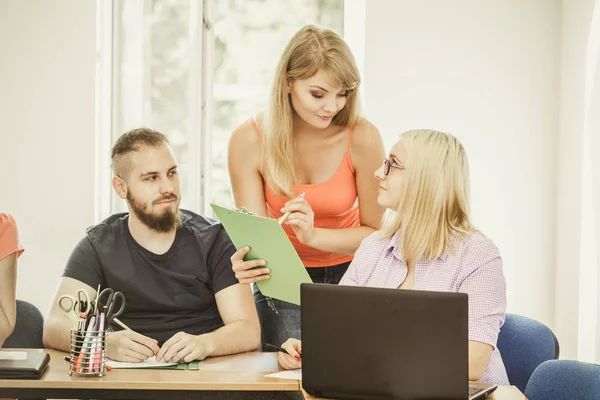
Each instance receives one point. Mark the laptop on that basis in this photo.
(370, 343)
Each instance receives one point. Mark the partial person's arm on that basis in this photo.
(57, 327)
(486, 288)
(8, 283)
(244, 164)
(240, 333)
(479, 358)
(242, 327)
(367, 154)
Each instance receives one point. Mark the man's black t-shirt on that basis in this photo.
(164, 293)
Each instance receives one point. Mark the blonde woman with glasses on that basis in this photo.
(428, 242)
(308, 161)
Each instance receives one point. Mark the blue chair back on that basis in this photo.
(524, 344)
(564, 380)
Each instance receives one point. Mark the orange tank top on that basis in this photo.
(9, 237)
(334, 202)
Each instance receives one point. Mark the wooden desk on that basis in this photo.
(239, 376)
(502, 393)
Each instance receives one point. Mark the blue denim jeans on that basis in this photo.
(280, 320)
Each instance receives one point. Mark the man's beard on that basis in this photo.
(167, 221)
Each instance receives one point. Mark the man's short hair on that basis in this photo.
(132, 141)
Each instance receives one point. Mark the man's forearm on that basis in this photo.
(236, 337)
(57, 334)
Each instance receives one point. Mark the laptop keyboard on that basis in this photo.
(474, 390)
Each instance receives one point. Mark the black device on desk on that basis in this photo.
(32, 367)
(370, 343)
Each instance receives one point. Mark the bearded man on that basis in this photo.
(182, 300)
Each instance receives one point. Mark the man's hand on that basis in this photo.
(183, 347)
(130, 346)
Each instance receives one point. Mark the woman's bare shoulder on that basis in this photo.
(245, 142)
(366, 139)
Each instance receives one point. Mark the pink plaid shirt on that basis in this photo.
(475, 269)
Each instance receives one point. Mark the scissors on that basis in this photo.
(106, 301)
(73, 307)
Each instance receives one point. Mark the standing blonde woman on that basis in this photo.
(310, 155)
(429, 243)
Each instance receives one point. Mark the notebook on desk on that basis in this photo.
(267, 241)
(360, 342)
(24, 365)
(151, 363)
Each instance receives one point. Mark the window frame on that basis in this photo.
(200, 99)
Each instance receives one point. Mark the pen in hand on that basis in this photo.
(287, 214)
(272, 346)
(122, 325)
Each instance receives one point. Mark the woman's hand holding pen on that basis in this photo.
(130, 346)
(292, 358)
(247, 271)
(301, 219)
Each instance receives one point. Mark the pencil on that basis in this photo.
(287, 214)
(122, 325)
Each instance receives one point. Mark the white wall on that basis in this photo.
(488, 72)
(47, 77)
(575, 22)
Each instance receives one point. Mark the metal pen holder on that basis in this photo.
(88, 353)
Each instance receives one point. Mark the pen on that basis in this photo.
(96, 299)
(98, 353)
(122, 325)
(272, 346)
(287, 214)
(84, 356)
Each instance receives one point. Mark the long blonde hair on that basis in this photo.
(433, 211)
(310, 50)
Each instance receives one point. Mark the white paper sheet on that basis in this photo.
(295, 374)
(149, 363)
(13, 355)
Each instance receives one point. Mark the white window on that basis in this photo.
(193, 70)
(249, 39)
(155, 69)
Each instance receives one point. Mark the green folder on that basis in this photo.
(267, 241)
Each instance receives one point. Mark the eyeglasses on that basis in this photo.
(387, 165)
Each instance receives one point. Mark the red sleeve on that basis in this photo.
(9, 236)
